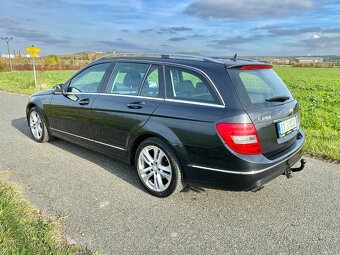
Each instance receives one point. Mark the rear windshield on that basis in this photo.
(260, 87)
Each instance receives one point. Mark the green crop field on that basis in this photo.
(317, 89)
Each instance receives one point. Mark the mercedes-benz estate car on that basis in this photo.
(178, 120)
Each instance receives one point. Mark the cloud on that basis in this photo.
(314, 44)
(248, 9)
(274, 31)
(146, 30)
(164, 45)
(121, 45)
(331, 30)
(30, 35)
(6, 22)
(234, 40)
(291, 32)
(177, 39)
(34, 36)
(124, 30)
(173, 30)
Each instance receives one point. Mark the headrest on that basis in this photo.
(132, 80)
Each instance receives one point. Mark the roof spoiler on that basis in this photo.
(251, 66)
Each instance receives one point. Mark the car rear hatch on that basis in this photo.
(269, 104)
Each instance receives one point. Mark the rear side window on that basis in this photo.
(126, 78)
(183, 84)
(257, 87)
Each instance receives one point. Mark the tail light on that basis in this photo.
(241, 138)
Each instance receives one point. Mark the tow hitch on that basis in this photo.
(289, 170)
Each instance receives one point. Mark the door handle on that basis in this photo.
(136, 105)
(84, 101)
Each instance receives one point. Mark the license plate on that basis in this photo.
(287, 126)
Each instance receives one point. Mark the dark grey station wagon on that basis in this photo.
(178, 119)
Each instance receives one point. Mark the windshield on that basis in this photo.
(259, 87)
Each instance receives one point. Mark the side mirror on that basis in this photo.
(58, 88)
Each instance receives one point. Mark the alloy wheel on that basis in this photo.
(36, 125)
(154, 168)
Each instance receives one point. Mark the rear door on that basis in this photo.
(132, 94)
(71, 110)
(269, 104)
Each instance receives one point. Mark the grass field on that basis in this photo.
(317, 89)
(24, 231)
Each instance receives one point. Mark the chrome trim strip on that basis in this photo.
(152, 98)
(134, 96)
(91, 140)
(195, 103)
(168, 64)
(244, 173)
(160, 62)
(80, 93)
(204, 74)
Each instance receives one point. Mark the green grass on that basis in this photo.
(23, 81)
(317, 89)
(24, 231)
(318, 92)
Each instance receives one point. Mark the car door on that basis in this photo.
(133, 92)
(71, 110)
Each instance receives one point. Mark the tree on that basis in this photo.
(51, 60)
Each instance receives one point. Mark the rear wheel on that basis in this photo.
(38, 126)
(158, 168)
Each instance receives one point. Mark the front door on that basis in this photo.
(71, 110)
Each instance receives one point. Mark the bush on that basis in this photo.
(3, 67)
(51, 60)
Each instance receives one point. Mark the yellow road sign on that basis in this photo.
(32, 51)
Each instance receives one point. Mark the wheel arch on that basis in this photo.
(164, 134)
(32, 104)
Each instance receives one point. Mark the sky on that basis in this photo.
(209, 27)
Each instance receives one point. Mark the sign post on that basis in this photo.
(33, 53)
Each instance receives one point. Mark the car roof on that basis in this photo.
(199, 62)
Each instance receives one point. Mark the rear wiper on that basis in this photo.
(277, 99)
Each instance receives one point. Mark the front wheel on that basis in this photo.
(158, 168)
(37, 126)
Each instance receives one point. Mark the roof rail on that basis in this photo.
(162, 55)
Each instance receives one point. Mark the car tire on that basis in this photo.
(158, 168)
(37, 126)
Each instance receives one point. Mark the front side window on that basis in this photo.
(88, 80)
(188, 85)
(126, 78)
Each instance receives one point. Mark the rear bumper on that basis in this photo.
(255, 174)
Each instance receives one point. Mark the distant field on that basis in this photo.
(23, 81)
(317, 89)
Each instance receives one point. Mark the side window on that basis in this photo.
(126, 78)
(151, 83)
(188, 85)
(88, 80)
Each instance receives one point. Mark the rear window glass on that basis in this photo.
(259, 87)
